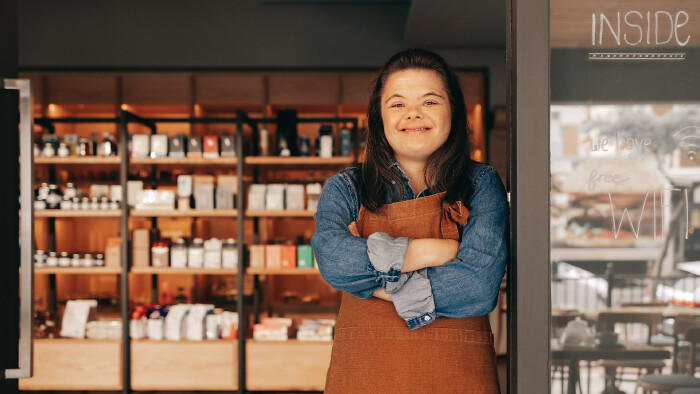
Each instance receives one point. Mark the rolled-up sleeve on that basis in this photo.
(342, 257)
(468, 285)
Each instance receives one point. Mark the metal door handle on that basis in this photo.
(26, 143)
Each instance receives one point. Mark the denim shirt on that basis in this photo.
(466, 286)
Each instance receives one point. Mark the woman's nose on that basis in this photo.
(413, 112)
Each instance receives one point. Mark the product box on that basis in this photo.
(313, 192)
(201, 180)
(305, 256)
(231, 180)
(159, 145)
(141, 257)
(211, 147)
(257, 256)
(289, 256)
(155, 199)
(99, 191)
(184, 185)
(256, 197)
(274, 197)
(113, 252)
(228, 146)
(204, 197)
(140, 145)
(294, 197)
(177, 145)
(212, 253)
(141, 238)
(133, 189)
(183, 204)
(273, 256)
(224, 197)
(115, 192)
(194, 146)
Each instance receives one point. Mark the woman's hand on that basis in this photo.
(382, 294)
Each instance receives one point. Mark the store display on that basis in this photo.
(104, 329)
(224, 197)
(272, 329)
(257, 256)
(273, 256)
(294, 197)
(256, 197)
(274, 197)
(76, 316)
(288, 256)
(204, 196)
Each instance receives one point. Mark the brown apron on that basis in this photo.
(375, 352)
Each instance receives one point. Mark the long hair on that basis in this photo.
(446, 169)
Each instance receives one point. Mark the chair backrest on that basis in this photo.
(609, 319)
(693, 336)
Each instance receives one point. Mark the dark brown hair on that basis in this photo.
(446, 169)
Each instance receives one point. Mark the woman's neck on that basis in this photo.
(415, 172)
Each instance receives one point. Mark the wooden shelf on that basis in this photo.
(192, 213)
(184, 365)
(77, 270)
(299, 161)
(282, 271)
(280, 214)
(287, 365)
(75, 364)
(88, 213)
(78, 160)
(188, 161)
(183, 271)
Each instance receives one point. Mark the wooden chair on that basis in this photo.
(608, 321)
(681, 357)
(670, 382)
(560, 367)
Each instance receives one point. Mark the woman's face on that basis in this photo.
(416, 113)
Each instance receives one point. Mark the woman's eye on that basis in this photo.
(396, 105)
(430, 102)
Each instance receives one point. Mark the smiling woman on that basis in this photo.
(416, 238)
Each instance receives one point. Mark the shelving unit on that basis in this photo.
(198, 104)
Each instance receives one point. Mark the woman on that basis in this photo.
(416, 236)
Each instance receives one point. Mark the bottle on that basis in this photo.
(178, 254)
(52, 260)
(195, 254)
(93, 144)
(304, 146)
(108, 146)
(63, 150)
(64, 260)
(264, 142)
(53, 200)
(229, 254)
(70, 191)
(180, 298)
(345, 142)
(40, 259)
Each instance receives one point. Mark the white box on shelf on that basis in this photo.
(133, 188)
(194, 321)
(274, 197)
(256, 197)
(140, 145)
(313, 192)
(155, 199)
(115, 192)
(159, 145)
(294, 197)
(184, 185)
(212, 253)
(99, 191)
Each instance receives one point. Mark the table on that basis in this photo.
(629, 351)
(668, 312)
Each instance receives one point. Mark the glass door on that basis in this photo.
(624, 212)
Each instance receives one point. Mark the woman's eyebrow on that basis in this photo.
(392, 96)
(425, 95)
(432, 94)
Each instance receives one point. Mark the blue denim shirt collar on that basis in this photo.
(409, 194)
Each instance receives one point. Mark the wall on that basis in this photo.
(224, 34)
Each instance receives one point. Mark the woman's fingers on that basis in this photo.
(353, 229)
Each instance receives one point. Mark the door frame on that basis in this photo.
(528, 95)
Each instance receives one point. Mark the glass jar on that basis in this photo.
(195, 254)
(40, 259)
(70, 191)
(83, 147)
(99, 260)
(63, 150)
(108, 145)
(94, 204)
(48, 151)
(84, 203)
(43, 191)
(64, 260)
(52, 260)
(88, 261)
(53, 200)
(229, 254)
(36, 151)
(76, 261)
(114, 205)
(160, 252)
(66, 203)
(178, 254)
(39, 205)
(104, 204)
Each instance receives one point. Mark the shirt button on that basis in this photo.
(427, 318)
